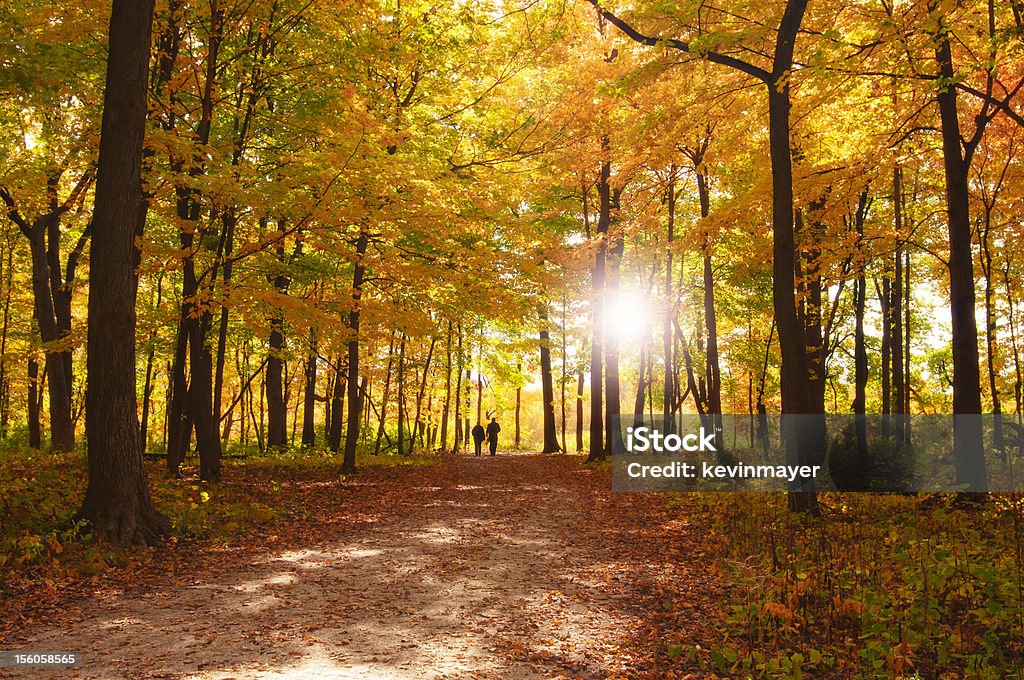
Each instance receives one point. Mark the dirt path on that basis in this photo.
(514, 566)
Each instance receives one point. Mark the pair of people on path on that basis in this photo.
(491, 434)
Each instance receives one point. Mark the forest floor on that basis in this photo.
(515, 566)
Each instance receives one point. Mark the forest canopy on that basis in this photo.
(370, 225)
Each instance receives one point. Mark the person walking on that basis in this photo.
(478, 439)
(492, 434)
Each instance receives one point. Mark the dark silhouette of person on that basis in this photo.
(492, 434)
(478, 439)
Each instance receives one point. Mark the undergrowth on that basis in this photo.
(878, 586)
(41, 540)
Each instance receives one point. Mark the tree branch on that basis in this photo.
(653, 41)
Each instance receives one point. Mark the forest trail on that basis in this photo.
(514, 566)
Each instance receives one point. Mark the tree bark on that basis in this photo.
(446, 409)
(386, 396)
(579, 412)
(117, 504)
(460, 360)
(860, 354)
(355, 401)
(309, 394)
(401, 396)
(34, 429)
(519, 406)
(547, 386)
(807, 444)
(968, 450)
(337, 405)
(713, 369)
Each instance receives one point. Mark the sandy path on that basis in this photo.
(506, 567)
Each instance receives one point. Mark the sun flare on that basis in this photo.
(628, 317)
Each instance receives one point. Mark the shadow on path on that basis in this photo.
(506, 567)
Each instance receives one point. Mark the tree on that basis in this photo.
(117, 504)
(807, 443)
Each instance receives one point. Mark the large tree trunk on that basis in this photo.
(968, 449)
(807, 443)
(355, 401)
(117, 504)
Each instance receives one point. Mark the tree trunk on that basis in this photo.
(117, 504)
(417, 424)
(445, 410)
(597, 450)
(460, 360)
(179, 427)
(807, 444)
(668, 339)
(5, 387)
(547, 386)
(229, 220)
(860, 354)
(387, 395)
(641, 389)
(355, 401)
(563, 380)
(998, 440)
(713, 368)
(480, 382)
(401, 396)
(579, 412)
(277, 406)
(309, 395)
(337, 405)
(62, 435)
(612, 390)
(885, 302)
(519, 406)
(200, 400)
(34, 429)
(968, 449)
(276, 412)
